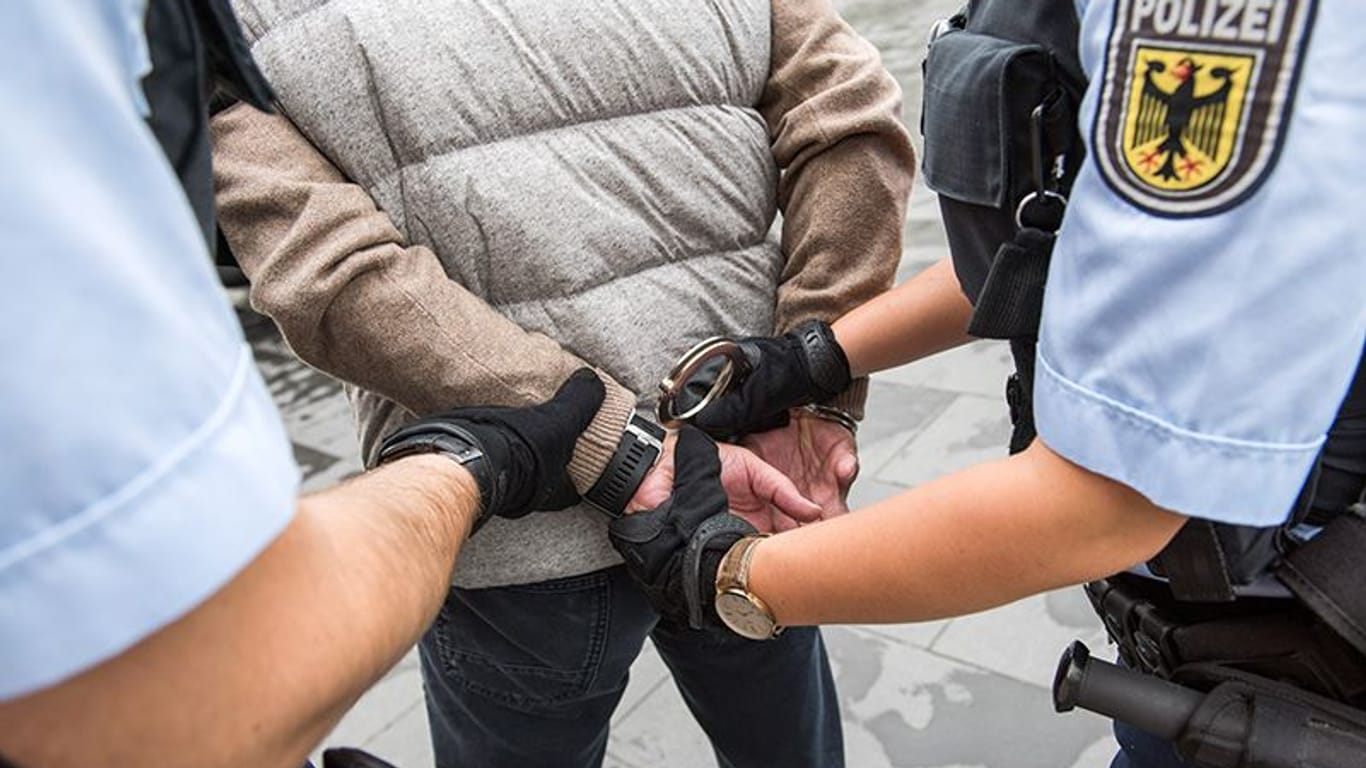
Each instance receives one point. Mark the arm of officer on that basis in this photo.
(834, 118)
(923, 316)
(352, 298)
(259, 673)
(976, 539)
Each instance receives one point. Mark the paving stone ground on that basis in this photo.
(950, 694)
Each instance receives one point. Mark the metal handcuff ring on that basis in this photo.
(692, 361)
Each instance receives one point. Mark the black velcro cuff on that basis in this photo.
(826, 363)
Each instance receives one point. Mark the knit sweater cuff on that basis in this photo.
(597, 443)
(851, 400)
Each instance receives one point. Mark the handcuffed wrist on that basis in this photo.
(832, 415)
(852, 400)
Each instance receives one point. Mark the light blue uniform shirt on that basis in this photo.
(1200, 358)
(144, 463)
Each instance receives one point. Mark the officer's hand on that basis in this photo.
(525, 450)
(804, 365)
(675, 549)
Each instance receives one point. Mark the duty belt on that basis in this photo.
(1276, 638)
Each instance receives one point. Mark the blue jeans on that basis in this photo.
(528, 676)
(1140, 749)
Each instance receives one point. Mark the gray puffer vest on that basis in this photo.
(594, 169)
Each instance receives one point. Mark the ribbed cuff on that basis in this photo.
(851, 400)
(600, 440)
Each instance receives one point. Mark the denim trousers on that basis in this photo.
(528, 676)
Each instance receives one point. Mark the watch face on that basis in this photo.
(744, 617)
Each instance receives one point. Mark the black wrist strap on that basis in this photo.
(640, 446)
(825, 359)
(453, 442)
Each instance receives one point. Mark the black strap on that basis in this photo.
(640, 446)
(1011, 301)
(1325, 573)
(1009, 307)
(1195, 564)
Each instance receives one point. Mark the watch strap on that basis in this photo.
(733, 575)
(639, 448)
(734, 571)
(726, 527)
(450, 440)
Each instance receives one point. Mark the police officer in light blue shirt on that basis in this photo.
(1198, 387)
(164, 597)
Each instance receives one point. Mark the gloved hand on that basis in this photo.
(674, 550)
(804, 365)
(525, 450)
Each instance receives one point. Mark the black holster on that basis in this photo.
(1240, 721)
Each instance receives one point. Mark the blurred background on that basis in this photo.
(967, 693)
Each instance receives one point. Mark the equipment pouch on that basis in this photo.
(979, 92)
(980, 98)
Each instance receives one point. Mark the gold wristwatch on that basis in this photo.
(740, 609)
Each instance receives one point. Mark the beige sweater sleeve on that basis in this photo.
(354, 300)
(834, 118)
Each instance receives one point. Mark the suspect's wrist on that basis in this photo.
(640, 447)
(833, 414)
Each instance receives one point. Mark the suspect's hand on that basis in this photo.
(757, 492)
(524, 450)
(819, 456)
(674, 550)
(804, 365)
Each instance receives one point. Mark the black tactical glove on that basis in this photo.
(519, 454)
(804, 365)
(675, 549)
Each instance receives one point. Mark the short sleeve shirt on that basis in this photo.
(1206, 303)
(144, 463)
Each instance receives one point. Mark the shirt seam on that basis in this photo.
(1154, 423)
(144, 481)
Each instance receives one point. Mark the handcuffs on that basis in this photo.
(734, 369)
(693, 369)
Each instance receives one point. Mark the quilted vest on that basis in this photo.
(593, 169)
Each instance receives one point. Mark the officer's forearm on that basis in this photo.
(973, 540)
(261, 671)
(922, 316)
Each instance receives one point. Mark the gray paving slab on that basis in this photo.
(971, 430)
(993, 640)
(979, 368)
(896, 414)
(405, 741)
(905, 707)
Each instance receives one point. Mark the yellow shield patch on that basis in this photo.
(1195, 98)
(1184, 114)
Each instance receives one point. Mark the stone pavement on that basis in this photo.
(968, 692)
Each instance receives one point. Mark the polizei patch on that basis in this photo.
(1195, 99)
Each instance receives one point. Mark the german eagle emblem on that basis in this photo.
(1180, 119)
(1195, 98)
